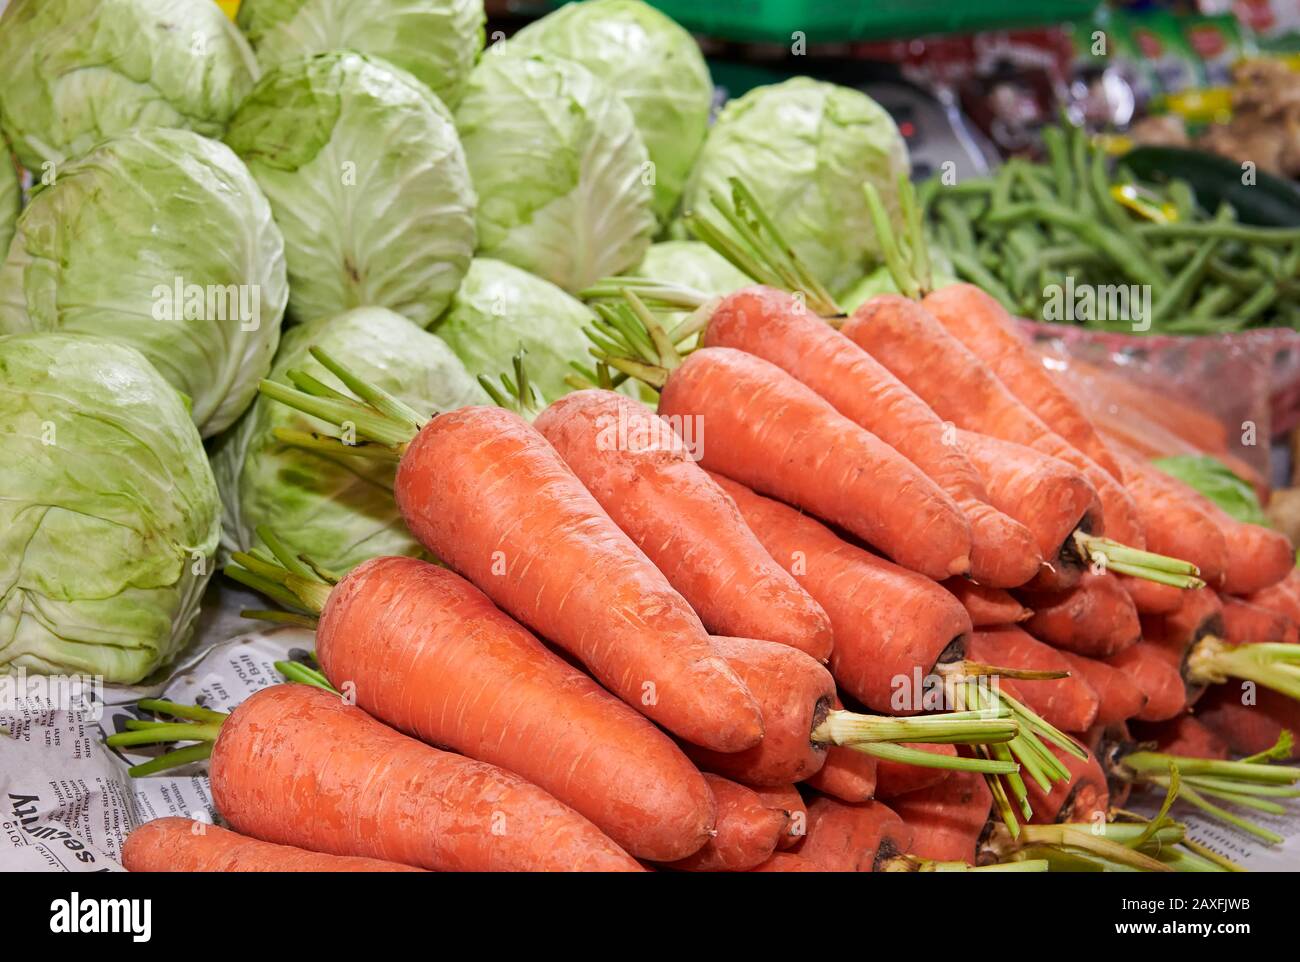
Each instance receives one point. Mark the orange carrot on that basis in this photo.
(981, 323)
(1044, 493)
(641, 473)
(1174, 523)
(1149, 597)
(853, 838)
(987, 606)
(1249, 718)
(850, 775)
(1183, 735)
(1095, 618)
(948, 818)
(1282, 597)
(1247, 624)
(774, 434)
(1067, 703)
(428, 653)
(748, 831)
(795, 694)
(486, 493)
(1200, 614)
(1158, 677)
(1120, 699)
(908, 340)
(786, 799)
(893, 779)
(770, 324)
(184, 845)
(295, 765)
(889, 623)
(787, 862)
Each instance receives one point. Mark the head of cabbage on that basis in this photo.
(437, 41)
(500, 309)
(110, 517)
(562, 175)
(10, 197)
(653, 64)
(338, 510)
(806, 148)
(160, 239)
(691, 264)
(367, 181)
(74, 72)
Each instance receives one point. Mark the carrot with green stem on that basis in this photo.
(484, 492)
(775, 434)
(773, 325)
(425, 651)
(646, 479)
(295, 765)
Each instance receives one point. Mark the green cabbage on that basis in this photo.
(367, 180)
(10, 197)
(691, 264)
(74, 72)
(652, 64)
(162, 240)
(806, 148)
(110, 517)
(500, 308)
(438, 41)
(558, 165)
(340, 511)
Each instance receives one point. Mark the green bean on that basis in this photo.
(956, 221)
(1183, 198)
(1244, 278)
(1058, 156)
(1130, 259)
(972, 270)
(1246, 233)
(1177, 294)
(1255, 304)
(1213, 301)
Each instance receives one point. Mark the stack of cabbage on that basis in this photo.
(365, 177)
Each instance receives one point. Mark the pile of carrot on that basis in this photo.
(865, 593)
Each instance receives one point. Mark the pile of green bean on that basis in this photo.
(1022, 233)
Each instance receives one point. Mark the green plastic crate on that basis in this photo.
(827, 21)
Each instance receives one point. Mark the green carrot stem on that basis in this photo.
(1070, 838)
(1242, 788)
(309, 384)
(263, 586)
(1208, 853)
(1245, 771)
(1281, 749)
(650, 374)
(302, 674)
(845, 728)
(369, 423)
(176, 710)
(331, 445)
(174, 759)
(282, 552)
(1187, 582)
(919, 758)
(377, 397)
(280, 617)
(1275, 666)
(897, 265)
(1191, 796)
(165, 732)
(1239, 798)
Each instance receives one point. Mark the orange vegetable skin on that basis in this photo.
(774, 434)
(428, 653)
(948, 818)
(1095, 618)
(184, 845)
(1068, 703)
(484, 492)
(786, 799)
(1247, 624)
(1184, 735)
(894, 778)
(641, 473)
(980, 322)
(297, 766)
(787, 862)
(846, 774)
(1249, 719)
(1282, 597)
(748, 830)
(1150, 597)
(987, 606)
(1049, 496)
(1120, 698)
(1175, 524)
(910, 341)
(794, 693)
(853, 838)
(1157, 675)
(889, 622)
(770, 324)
